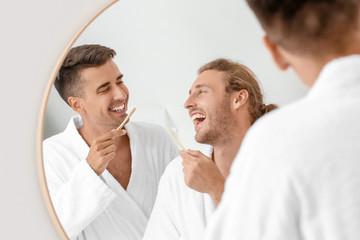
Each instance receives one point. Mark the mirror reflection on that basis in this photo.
(158, 53)
(102, 178)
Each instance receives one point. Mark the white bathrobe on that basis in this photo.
(297, 174)
(179, 211)
(98, 207)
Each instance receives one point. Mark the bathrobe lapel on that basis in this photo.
(124, 198)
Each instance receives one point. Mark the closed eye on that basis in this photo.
(201, 92)
(103, 90)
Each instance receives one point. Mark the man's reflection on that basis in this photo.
(102, 181)
(224, 101)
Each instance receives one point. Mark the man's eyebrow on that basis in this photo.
(107, 83)
(199, 86)
(120, 76)
(102, 86)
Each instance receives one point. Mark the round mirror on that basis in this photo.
(161, 44)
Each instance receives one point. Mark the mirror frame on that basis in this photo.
(40, 128)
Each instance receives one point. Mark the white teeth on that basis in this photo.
(117, 109)
(198, 115)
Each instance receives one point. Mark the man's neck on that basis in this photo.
(88, 134)
(225, 152)
(309, 67)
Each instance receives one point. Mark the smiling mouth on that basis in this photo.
(117, 108)
(198, 118)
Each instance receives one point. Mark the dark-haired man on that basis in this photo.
(296, 175)
(102, 181)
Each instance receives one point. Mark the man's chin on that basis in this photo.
(119, 121)
(199, 138)
(206, 138)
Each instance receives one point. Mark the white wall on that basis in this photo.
(160, 46)
(33, 35)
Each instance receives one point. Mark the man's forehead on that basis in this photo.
(102, 73)
(197, 86)
(208, 78)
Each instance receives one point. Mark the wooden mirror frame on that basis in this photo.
(40, 128)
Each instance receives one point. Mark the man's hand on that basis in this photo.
(102, 151)
(202, 174)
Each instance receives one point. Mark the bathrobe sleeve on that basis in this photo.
(77, 193)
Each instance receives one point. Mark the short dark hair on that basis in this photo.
(238, 77)
(68, 81)
(308, 25)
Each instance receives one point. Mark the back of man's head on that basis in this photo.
(308, 26)
(68, 82)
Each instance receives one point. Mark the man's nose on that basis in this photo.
(119, 93)
(189, 103)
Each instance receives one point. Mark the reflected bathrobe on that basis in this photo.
(179, 211)
(297, 174)
(98, 207)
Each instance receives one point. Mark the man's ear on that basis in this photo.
(276, 54)
(240, 99)
(76, 104)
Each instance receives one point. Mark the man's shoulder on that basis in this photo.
(280, 132)
(173, 177)
(56, 140)
(174, 169)
(295, 134)
(67, 143)
(63, 137)
(283, 121)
